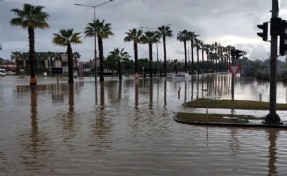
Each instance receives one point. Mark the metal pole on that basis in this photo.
(95, 38)
(272, 117)
(232, 81)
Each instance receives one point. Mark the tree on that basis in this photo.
(31, 17)
(77, 56)
(207, 48)
(192, 36)
(228, 52)
(215, 47)
(135, 36)
(149, 38)
(0, 46)
(119, 55)
(16, 56)
(66, 37)
(103, 31)
(198, 44)
(164, 32)
(183, 37)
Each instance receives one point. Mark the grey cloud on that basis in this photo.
(213, 20)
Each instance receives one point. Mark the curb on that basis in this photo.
(248, 125)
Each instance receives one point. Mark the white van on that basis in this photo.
(3, 72)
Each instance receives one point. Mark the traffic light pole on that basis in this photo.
(272, 117)
(232, 80)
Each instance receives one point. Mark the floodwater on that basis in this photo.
(127, 129)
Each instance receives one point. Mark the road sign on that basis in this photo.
(57, 70)
(58, 64)
(64, 57)
(234, 69)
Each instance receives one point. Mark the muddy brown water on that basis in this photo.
(127, 129)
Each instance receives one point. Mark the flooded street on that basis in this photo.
(128, 129)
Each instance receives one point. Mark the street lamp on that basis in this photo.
(95, 38)
(95, 35)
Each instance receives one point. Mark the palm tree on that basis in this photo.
(50, 56)
(16, 56)
(208, 49)
(76, 56)
(120, 55)
(103, 31)
(192, 36)
(175, 65)
(215, 47)
(66, 37)
(164, 32)
(134, 35)
(183, 37)
(31, 17)
(228, 52)
(149, 38)
(198, 44)
(203, 48)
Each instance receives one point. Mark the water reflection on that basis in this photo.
(102, 126)
(164, 94)
(136, 94)
(120, 91)
(131, 130)
(272, 136)
(34, 123)
(34, 143)
(102, 95)
(150, 93)
(69, 118)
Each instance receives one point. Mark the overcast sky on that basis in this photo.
(228, 22)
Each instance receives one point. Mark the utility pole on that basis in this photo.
(272, 117)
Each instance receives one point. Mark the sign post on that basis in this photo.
(234, 70)
(57, 69)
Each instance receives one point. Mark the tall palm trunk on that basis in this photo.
(17, 66)
(185, 57)
(101, 53)
(192, 61)
(120, 69)
(70, 63)
(31, 32)
(136, 56)
(202, 59)
(164, 54)
(197, 53)
(150, 60)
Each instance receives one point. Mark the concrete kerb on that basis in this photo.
(216, 124)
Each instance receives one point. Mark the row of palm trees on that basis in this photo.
(44, 61)
(32, 17)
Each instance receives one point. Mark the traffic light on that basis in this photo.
(264, 33)
(283, 39)
(236, 53)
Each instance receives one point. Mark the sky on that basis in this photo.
(227, 22)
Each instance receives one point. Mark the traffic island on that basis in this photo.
(224, 120)
(228, 119)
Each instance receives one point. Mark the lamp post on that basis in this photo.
(95, 35)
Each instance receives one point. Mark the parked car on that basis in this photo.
(3, 72)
